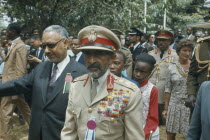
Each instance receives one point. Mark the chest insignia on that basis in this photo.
(114, 104)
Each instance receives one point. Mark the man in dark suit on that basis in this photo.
(36, 53)
(134, 37)
(74, 53)
(49, 83)
(200, 124)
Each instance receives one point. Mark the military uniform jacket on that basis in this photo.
(138, 50)
(197, 76)
(122, 124)
(129, 61)
(158, 77)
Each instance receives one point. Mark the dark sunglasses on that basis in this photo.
(51, 45)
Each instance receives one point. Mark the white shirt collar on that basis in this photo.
(134, 47)
(61, 66)
(69, 52)
(15, 40)
(101, 80)
(78, 56)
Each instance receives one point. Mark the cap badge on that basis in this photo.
(162, 32)
(92, 36)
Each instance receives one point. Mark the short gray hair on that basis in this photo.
(59, 29)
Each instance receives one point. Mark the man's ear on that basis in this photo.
(66, 42)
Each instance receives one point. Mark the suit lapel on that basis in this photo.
(59, 84)
(81, 59)
(10, 51)
(41, 54)
(207, 98)
(45, 76)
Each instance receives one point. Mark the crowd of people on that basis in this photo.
(103, 83)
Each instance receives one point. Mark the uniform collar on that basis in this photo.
(101, 79)
(135, 46)
(158, 50)
(143, 83)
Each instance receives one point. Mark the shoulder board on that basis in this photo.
(124, 48)
(81, 78)
(203, 39)
(126, 83)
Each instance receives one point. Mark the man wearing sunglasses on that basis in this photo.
(49, 83)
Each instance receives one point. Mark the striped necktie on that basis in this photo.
(53, 76)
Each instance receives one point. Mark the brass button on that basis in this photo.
(73, 112)
(112, 119)
(90, 110)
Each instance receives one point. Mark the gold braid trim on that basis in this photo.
(202, 39)
(157, 67)
(183, 74)
(206, 62)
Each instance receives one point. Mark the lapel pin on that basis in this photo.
(68, 79)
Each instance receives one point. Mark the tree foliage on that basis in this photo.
(120, 14)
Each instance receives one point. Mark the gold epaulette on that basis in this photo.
(126, 83)
(203, 39)
(81, 78)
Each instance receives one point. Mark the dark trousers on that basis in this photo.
(160, 110)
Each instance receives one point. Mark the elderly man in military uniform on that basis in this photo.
(163, 55)
(199, 70)
(102, 106)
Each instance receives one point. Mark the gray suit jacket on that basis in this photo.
(48, 116)
(200, 122)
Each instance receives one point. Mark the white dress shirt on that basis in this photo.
(69, 52)
(61, 66)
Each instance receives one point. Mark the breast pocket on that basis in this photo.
(112, 125)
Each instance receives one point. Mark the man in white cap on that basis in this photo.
(101, 105)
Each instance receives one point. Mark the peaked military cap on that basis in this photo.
(164, 34)
(135, 31)
(98, 38)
